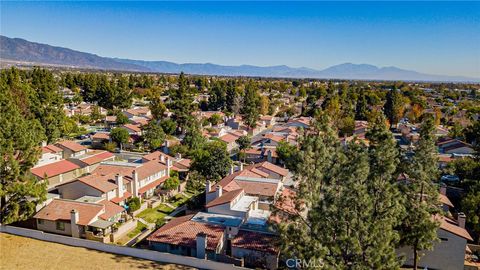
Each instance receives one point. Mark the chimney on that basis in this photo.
(443, 189)
(201, 245)
(136, 185)
(178, 156)
(269, 156)
(241, 166)
(169, 165)
(162, 158)
(218, 191)
(461, 219)
(44, 143)
(232, 169)
(208, 186)
(119, 182)
(74, 217)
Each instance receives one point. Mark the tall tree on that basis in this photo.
(181, 102)
(47, 103)
(212, 161)
(20, 138)
(394, 106)
(232, 98)
(361, 109)
(251, 102)
(156, 105)
(335, 182)
(154, 135)
(217, 99)
(419, 228)
(120, 136)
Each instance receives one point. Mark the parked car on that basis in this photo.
(450, 178)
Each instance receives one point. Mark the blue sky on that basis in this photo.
(430, 37)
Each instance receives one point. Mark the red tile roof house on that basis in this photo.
(205, 236)
(99, 139)
(454, 146)
(50, 154)
(179, 164)
(449, 253)
(71, 149)
(57, 172)
(133, 129)
(139, 180)
(111, 187)
(90, 220)
(182, 236)
(138, 112)
(92, 159)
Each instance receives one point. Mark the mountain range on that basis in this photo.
(16, 51)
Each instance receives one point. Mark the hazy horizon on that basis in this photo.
(428, 37)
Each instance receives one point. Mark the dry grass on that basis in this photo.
(18, 252)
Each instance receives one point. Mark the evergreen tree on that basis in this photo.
(154, 135)
(120, 136)
(212, 161)
(47, 103)
(232, 97)
(20, 138)
(156, 105)
(361, 109)
(181, 103)
(217, 99)
(394, 106)
(336, 203)
(419, 228)
(250, 105)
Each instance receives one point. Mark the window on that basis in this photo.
(40, 221)
(60, 226)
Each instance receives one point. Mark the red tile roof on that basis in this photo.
(256, 241)
(105, 169)
(71, 145)
(152, 185)
(51, 149)
(156, 156)
(225, 198)
(182, 231)
(125, 196)
(97, 158)
(272, 167)
(59, 209)
(132, 127)
(445, 200)
(229, 138)
(111, 209)
(451, 226)
(99, 182)
(258, 188)
(150, 168)
(54, 169)
(101, 136)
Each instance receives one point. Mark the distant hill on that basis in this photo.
(17, 49)
(22, 51)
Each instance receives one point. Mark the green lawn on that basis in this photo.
(178, 200)
(140, 227)
(151, 215)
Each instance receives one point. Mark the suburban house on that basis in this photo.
(115, 188)
(89, 218)
(99, 139)
(454, 146)
(71, 149)
(57, 172)
(138, 112)
(235, 226)
(91, 159)
(449, 253)
(133, 129)
(303, 122)
(179, 164)
(50, 154)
